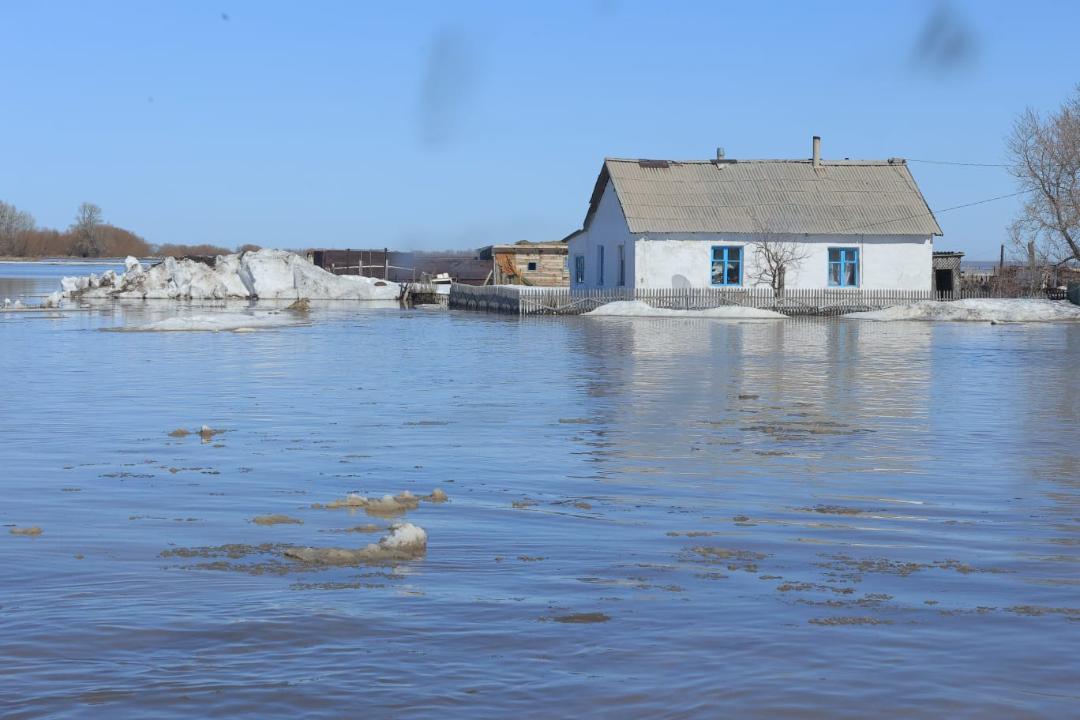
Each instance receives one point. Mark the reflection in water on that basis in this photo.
(797, 519)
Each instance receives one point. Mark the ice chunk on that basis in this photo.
(637, 308)
(984, 310)
(262, 274)
(219, 322)
(132, 266)
(404, 542)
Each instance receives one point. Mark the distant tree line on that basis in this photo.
(88, 236)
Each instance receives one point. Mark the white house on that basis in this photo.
(715, 223)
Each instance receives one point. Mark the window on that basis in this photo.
(726, 265)
(579, 269)
(843, 267)
(622, 265)
(532, 266)
(600, 265)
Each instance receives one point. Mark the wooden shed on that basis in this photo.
(542, 264)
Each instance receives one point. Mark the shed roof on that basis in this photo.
(845, 197)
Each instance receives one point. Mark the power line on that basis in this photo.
(933, 213)
(966, 164)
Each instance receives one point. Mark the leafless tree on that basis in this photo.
(14, 224)
(773, 257)
(1045, 157)
(87, 231)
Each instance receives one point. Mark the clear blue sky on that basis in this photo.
(437, 125)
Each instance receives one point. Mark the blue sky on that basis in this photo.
(455, 125)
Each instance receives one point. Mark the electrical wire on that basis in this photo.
(949, 162)
(934, 213)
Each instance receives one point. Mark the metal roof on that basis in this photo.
(847, 197)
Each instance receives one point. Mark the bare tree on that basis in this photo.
(1045, 157)
(87, 231)
(773, 257)
(14, 225)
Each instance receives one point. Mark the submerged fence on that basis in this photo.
(522, 300)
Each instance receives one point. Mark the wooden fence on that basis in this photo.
(521, 300)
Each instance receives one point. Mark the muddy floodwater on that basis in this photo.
(642, 518)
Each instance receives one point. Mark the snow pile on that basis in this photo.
(261, 274)
(637, 308)
(9, 305)
(988, 310)
(404, 542)
(218, 322)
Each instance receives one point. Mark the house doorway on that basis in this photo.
(943, 280)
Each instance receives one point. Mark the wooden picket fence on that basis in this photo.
(522, 300)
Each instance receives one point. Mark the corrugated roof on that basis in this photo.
(849, 197)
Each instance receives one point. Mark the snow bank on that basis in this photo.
(261, 274)
(404, 542)
(637, 308)
(988, 310)
(218, 322)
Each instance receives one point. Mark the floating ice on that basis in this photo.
(387, 505)
(987, 310)
(261, 274)
(637, 308)
(219, 322)
(404, 542)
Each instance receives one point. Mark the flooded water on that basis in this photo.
(646, 518)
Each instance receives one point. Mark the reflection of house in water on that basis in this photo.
(793, 386)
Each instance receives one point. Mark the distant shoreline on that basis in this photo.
(71, 261)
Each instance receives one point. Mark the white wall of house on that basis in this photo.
(608, 229)
(886, 262)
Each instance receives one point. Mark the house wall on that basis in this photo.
(607, 228)
(886, 262)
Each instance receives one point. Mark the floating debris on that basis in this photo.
(580, 618)
(27, 531)
(387, 505)
(276, 520)
(206, 433)
(404, 542)
(832, 510)
(832, 621)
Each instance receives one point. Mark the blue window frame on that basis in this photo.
(579, 269)
(726, 265)
(843, 267)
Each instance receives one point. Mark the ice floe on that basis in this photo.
(637, 308)
(387, 505)
(404, 542)
(984, 310)
(218, 322)
(261, 274)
